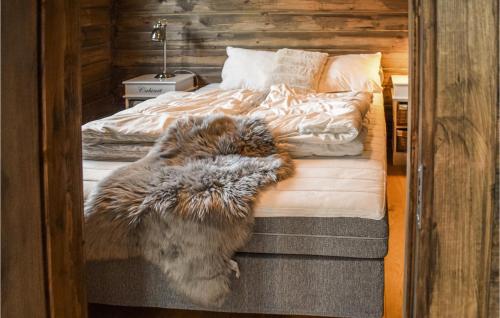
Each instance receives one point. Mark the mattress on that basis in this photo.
(330, 207)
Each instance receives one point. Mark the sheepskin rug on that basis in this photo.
(188, 205)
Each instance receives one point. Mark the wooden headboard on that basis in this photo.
(199, 31)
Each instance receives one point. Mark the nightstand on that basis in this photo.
(399, 119)
(141, 88)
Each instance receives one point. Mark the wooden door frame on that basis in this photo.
(451, 171)
(42, 215)
(23, 275)
(412, 160)
(42, 249)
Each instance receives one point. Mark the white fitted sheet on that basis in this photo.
(321, 187)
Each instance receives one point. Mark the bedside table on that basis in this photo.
(144, 87)
(399, 119)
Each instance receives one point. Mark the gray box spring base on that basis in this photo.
(331, 267)
(270, 284)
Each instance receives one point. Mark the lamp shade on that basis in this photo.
(159, 32)
(156, 35)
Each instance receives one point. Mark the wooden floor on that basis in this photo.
(394, 261)
(396, 197)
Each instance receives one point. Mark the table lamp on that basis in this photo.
(159, 34)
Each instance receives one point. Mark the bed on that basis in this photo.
(318, 246)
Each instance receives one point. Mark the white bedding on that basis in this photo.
(322, 187)
(130, 133)
(316, 124)
(313, 124)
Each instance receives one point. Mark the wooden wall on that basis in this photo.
(200, 30)
(96, 27)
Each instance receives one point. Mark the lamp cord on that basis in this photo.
(184, 71)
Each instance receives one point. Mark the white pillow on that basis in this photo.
(247, 69)
(297, 68)
(352, 72)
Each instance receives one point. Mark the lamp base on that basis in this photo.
(164, 75)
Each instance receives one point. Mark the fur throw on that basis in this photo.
(188, 205)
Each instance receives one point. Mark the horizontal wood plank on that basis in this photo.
(95, 54)
(95, 35)
(96, 90)
(95, 3)
(257, 22)
(370, 41)
(96, 71)
(99, 108)
(262, 5)
(95, 16)
(217, 57)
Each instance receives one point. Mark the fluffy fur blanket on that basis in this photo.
(187, 206)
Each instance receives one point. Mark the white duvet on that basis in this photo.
(316, 124)
(313, 124)
(129, 134)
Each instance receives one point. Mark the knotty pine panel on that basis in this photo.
(199, 31)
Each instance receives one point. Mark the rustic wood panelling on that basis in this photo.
(42, 245)
(23, 281)
(197, 6)
(458, 107)
(494, 305)
(96, 30)
(60, 113)
(413, 160)
(199, 31)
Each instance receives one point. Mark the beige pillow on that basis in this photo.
(297, 68)
(352, 72)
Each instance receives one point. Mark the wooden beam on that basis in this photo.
(495, 250)
(62, 172)
(23, 279)
(458, 80)
(413, 160)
